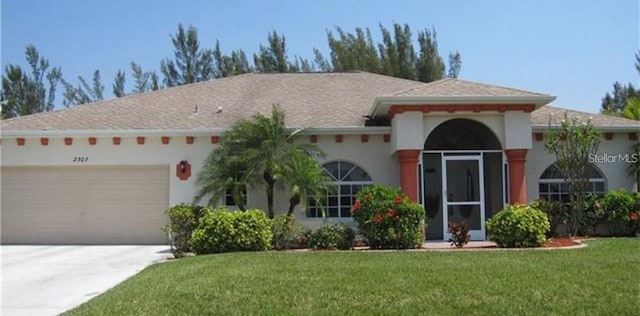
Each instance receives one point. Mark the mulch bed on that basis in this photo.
(556, 242)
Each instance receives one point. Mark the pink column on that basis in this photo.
(517, 179)
(408, 159)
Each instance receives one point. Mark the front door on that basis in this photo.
(463, 192)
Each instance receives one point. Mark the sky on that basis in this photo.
(574, 50)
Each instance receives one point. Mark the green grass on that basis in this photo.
(601, 279)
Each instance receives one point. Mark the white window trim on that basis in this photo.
(337, 183)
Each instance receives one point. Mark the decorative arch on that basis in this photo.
(553, 187)
(349, 178)
(462, 134)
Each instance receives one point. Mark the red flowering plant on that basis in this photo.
(387, 219)
(622, 210)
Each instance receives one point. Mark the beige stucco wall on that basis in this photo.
(517, 130)
(104, 153)
(617, 177)
(407, 131)
(373, 156)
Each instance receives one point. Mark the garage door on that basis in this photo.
(123, 205)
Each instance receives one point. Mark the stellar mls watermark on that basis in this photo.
(614, 158)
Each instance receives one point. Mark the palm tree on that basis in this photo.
(632, 112)
(223, 171)
(307, 179)
(264, 146)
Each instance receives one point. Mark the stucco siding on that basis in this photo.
(373, 156)
(615, 172)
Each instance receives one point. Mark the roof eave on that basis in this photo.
(382, 104)
(113, 132)
(346, 130)
(603, 128)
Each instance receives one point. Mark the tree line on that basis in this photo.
(624, 100)
(33, 90)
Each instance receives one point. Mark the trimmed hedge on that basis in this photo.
(332, 236)
(183, 220)
(518, 226)
(222, 230)
(622, 209)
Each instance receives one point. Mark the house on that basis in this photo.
(105, 172)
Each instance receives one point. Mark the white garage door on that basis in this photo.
(115, 205)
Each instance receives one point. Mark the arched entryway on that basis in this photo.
(461, 177)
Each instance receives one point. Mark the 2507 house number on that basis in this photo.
(80, 159)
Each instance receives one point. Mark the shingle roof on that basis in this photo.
(458, 88)
(308, 99)
(314, 100)
(546, 115)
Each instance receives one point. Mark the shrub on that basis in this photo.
(303, 240)
(286, 232)
(619, 207)
(387, 219)
(556, 213)
(224, 231)
(459, 234)
(183, 220)
(332, 236)
(518, 226)
(593, 214)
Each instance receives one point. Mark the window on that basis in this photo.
(553, 187)
(228, 198)
(349, 179)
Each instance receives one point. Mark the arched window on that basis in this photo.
(349, 179)
(553, 187)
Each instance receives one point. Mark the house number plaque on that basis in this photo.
(80, 159)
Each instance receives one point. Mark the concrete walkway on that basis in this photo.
(48, 280)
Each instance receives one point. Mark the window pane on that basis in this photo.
(553, 187)
(332, 170)
(345, 201)
(564, 187)
(340, 200)
(345, 168)
(311, 212)
(357, 175)
(333, 211)
(599, 186)
(543, 187)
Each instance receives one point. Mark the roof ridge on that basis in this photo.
(498, 86)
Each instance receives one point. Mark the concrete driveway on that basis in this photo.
(48, 280)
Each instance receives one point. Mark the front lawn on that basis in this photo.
(601, 279)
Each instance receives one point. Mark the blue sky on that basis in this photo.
(572, 49)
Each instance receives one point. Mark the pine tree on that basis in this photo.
(118, 84)
(190, 63)
(429, 66)
(83, 92)
(27, 94)
(455, 63)
(273, 56)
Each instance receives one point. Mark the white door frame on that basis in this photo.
(475, 234)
